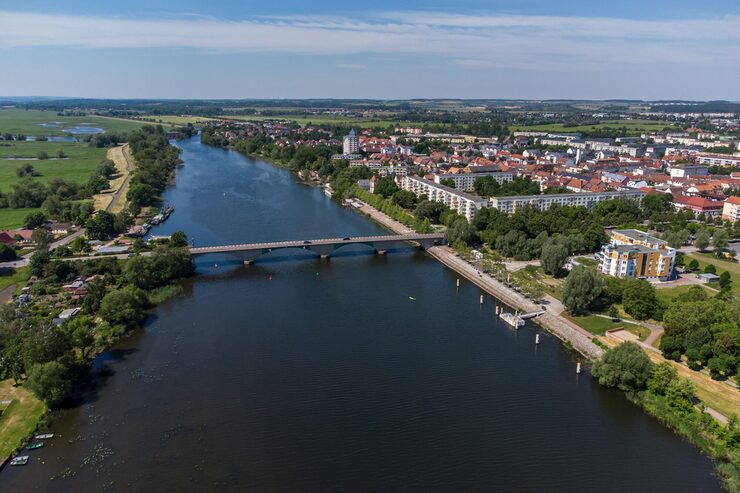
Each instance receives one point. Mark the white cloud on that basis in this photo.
(466, 40)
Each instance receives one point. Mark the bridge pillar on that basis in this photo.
(323, 251)
(381, 247)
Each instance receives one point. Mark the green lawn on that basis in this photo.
(634, 127)
(667, 295)
(20, 419)
(599, 325)
(79, 163)
(27, 122)
(722, 265)
(10, 277)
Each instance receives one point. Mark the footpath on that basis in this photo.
(563, 328)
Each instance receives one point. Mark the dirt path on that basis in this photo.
(114, 199)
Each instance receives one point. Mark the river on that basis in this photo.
(323, 375)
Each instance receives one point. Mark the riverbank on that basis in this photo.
(565, 330)
(111, 200)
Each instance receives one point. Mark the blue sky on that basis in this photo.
(533, 49)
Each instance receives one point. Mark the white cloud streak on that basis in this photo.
(465, 40)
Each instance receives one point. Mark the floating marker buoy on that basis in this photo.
(215, 265)
(269, 278)
(458, 282)
(537, 339)
(481, 299)
(412, 298)
(498, 310)
(578, 368)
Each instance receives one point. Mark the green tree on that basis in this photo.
(123, 307)
(7, 253)
(79, 331)
(719, 241)
(429, 210)
(693, 265)
(38, 261)
(448, 182)
(178, 239)
(626, 367)
(41, 237)
(581, 289)
(661, 377)
(710, 269)
(461, 231)
(101, 225)
(701, 239)
(639, 299)
(405, 199)
(676, 239)
(680, 394)
(385, 186)
(725, 279)
(50, 382)
(34, 220)
(553, 258)
(95, 291)
(41, 155)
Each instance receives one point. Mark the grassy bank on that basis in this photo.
(700, 429)
(20, 418)
(394, 211)
(11, 277)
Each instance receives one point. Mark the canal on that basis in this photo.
(309, 375)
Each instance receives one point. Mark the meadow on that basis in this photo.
(78, 164)
(20, 121)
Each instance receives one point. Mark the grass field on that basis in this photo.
(667, 295)
(722, 265)
(20, 418)
(599, 325)
(77, 167)
(27, 122)
(634, 127)
(10, 277)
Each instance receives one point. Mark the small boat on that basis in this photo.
(21, 460)
(34, 445)
(44, 436)
(412, 298)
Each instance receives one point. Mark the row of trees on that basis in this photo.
(155, 160)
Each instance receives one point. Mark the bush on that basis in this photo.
(50, 382)
(626, 367)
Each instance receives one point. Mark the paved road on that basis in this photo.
(24, 260)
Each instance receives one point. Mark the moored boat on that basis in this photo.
(44, 436)
(34, 445)
(21, 460)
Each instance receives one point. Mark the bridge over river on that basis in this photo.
(323, 247)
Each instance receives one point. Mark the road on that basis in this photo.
(25, 260)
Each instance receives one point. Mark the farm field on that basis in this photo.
(162, 119)
(27, 122)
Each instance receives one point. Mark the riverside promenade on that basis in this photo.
(561, 327)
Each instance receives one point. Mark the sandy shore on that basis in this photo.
(563, 328)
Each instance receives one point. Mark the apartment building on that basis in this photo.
(634, 254)
(466, 181)
(718, 159)
(513, 203)
(731, 209)
(465, 204)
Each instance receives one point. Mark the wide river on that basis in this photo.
(299, 374)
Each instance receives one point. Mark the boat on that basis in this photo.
(21, 460)
(513, 320)
(34, 445)
(44, 436)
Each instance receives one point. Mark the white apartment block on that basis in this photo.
(465, 204)
(718, 159)
(513, 203)
(466, 181)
